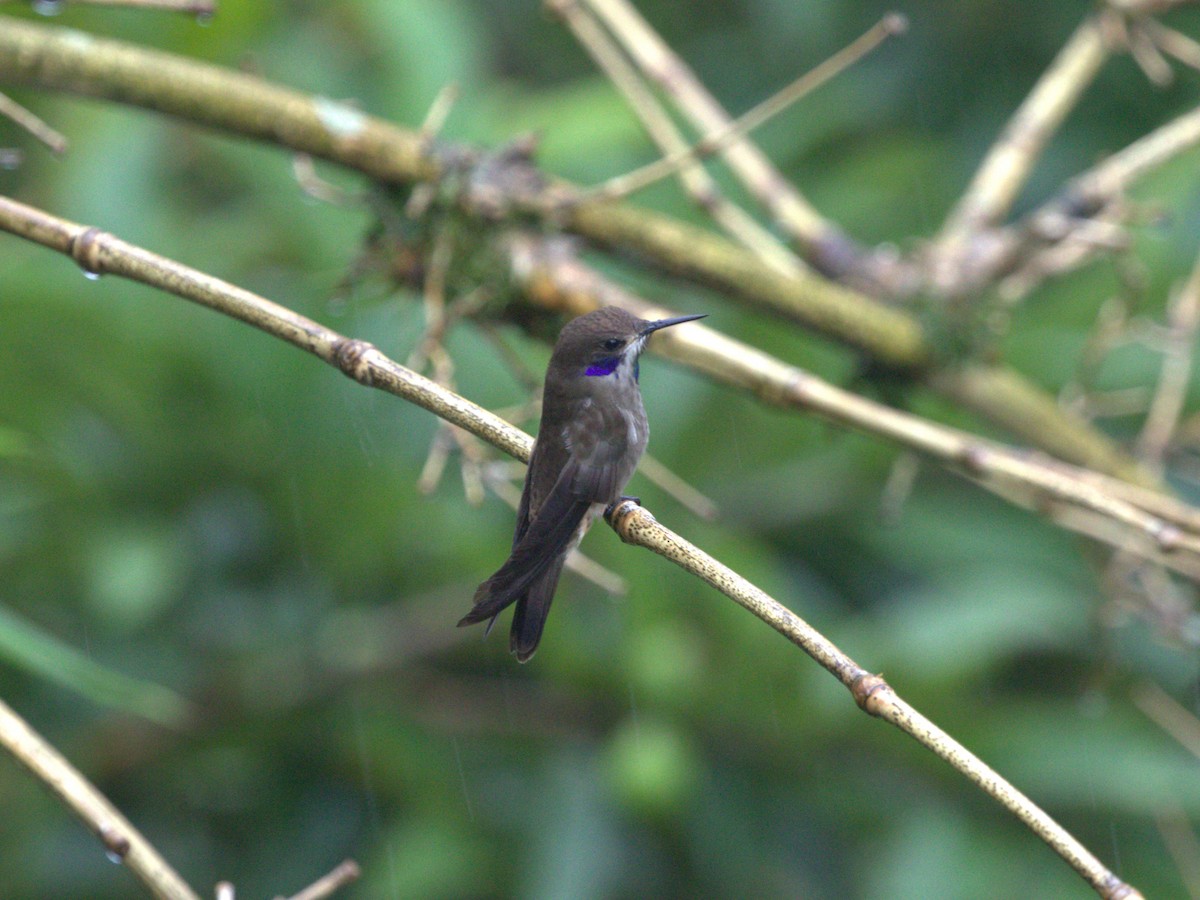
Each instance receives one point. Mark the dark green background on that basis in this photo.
(187, 503)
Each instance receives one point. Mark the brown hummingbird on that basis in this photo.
(592, 434)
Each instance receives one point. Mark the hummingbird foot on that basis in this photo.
(611, 508)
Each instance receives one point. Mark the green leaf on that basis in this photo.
(27, 647)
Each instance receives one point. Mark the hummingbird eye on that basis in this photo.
(612, 343)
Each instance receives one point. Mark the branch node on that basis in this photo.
(1114, 888)
(1166, 535)
(85, 248)
(974, 459)
(865, 686)
(350, 355)
(116, 844)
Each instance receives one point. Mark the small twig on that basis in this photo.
(821, 242)
(305, 170)
(1171, 42)
(898, 487)
(23, 118)
(722, 138)
(1006, 168)
(1118, 172)
(875, 696)
(1060, 235)
(1161, 421)
(346, 873)
(122, 842)
(1110, 329)
(685, 494)
(1141, 47)
(701, 187)
(1170, 715)
(439, 111)
(1181, 842)
(431, 349)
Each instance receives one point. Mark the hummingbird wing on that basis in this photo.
(545, 538)
(593, 451)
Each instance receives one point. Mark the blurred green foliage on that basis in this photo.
(225, 600)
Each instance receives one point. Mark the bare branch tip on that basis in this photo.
(895, 23)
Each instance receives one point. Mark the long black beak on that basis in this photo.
(667, 323)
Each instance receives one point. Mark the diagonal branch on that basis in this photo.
(875, 696)
(102, 253)
(821, 242)
(1010, 160)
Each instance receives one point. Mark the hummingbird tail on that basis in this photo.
(540, 551)
(529, 616)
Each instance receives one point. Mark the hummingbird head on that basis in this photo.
(606, 343)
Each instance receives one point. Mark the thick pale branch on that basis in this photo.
(102, 253)
(122, 842)
(31, 53)
(49, 57)
(637, 526)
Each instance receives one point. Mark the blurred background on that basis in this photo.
(226, 601)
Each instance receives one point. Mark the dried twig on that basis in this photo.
(701, 187)
(327, 885)
(1183, 320)
(1061, 226)
(1010, 160)
(735, 130)
(820, 241)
